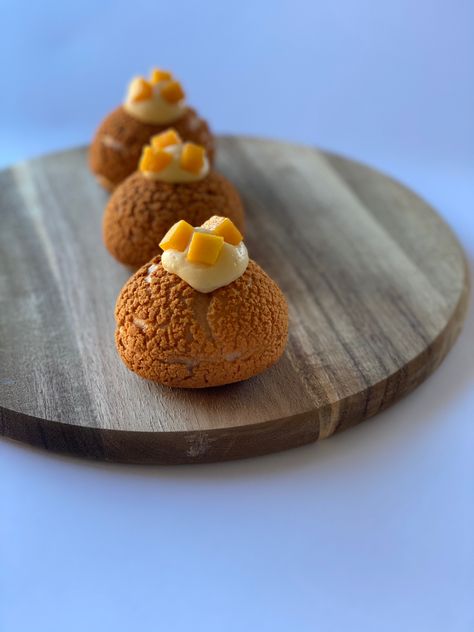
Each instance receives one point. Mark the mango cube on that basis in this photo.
(158, 75)
(192, 158)
(177, 237)
(224, 227)
(154, 161)
(142, 90)
(205, 248)
(165, 139)
(172, 92)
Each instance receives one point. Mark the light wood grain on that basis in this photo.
(376, 283)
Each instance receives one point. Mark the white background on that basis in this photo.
(371, 530)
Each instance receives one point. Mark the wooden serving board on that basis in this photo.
(376, 283)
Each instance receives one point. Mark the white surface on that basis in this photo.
(371, 530)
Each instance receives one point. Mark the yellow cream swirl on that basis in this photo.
(168, 159)
(155, 103)
(174, 172)
(183, 257)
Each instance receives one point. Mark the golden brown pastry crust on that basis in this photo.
(118, 143)
(141, 210)
(170, 333)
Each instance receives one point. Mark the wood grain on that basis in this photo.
(376, 282)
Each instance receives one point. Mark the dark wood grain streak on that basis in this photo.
(376, 282)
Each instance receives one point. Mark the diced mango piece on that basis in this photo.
(165, 139)
(177, 237)
(205, 248)
(146, 160)
(224, 227)
(154, 161)
(172, 92)
(142, 90)
(158, 75)
(192, 158)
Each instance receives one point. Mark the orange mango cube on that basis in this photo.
(177, 237)
(172, 92)
(158, 75)
(142, 90)
(154, 161)
(165, 139)
(192, 158)
(205, 248)
(224, 227)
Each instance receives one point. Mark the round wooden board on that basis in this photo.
(376, 284)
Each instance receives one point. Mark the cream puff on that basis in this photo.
(150, 106)
(174, 181)
(202, 313)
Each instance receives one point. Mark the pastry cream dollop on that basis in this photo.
(207, 257)
(158, 101)
(168, 159)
